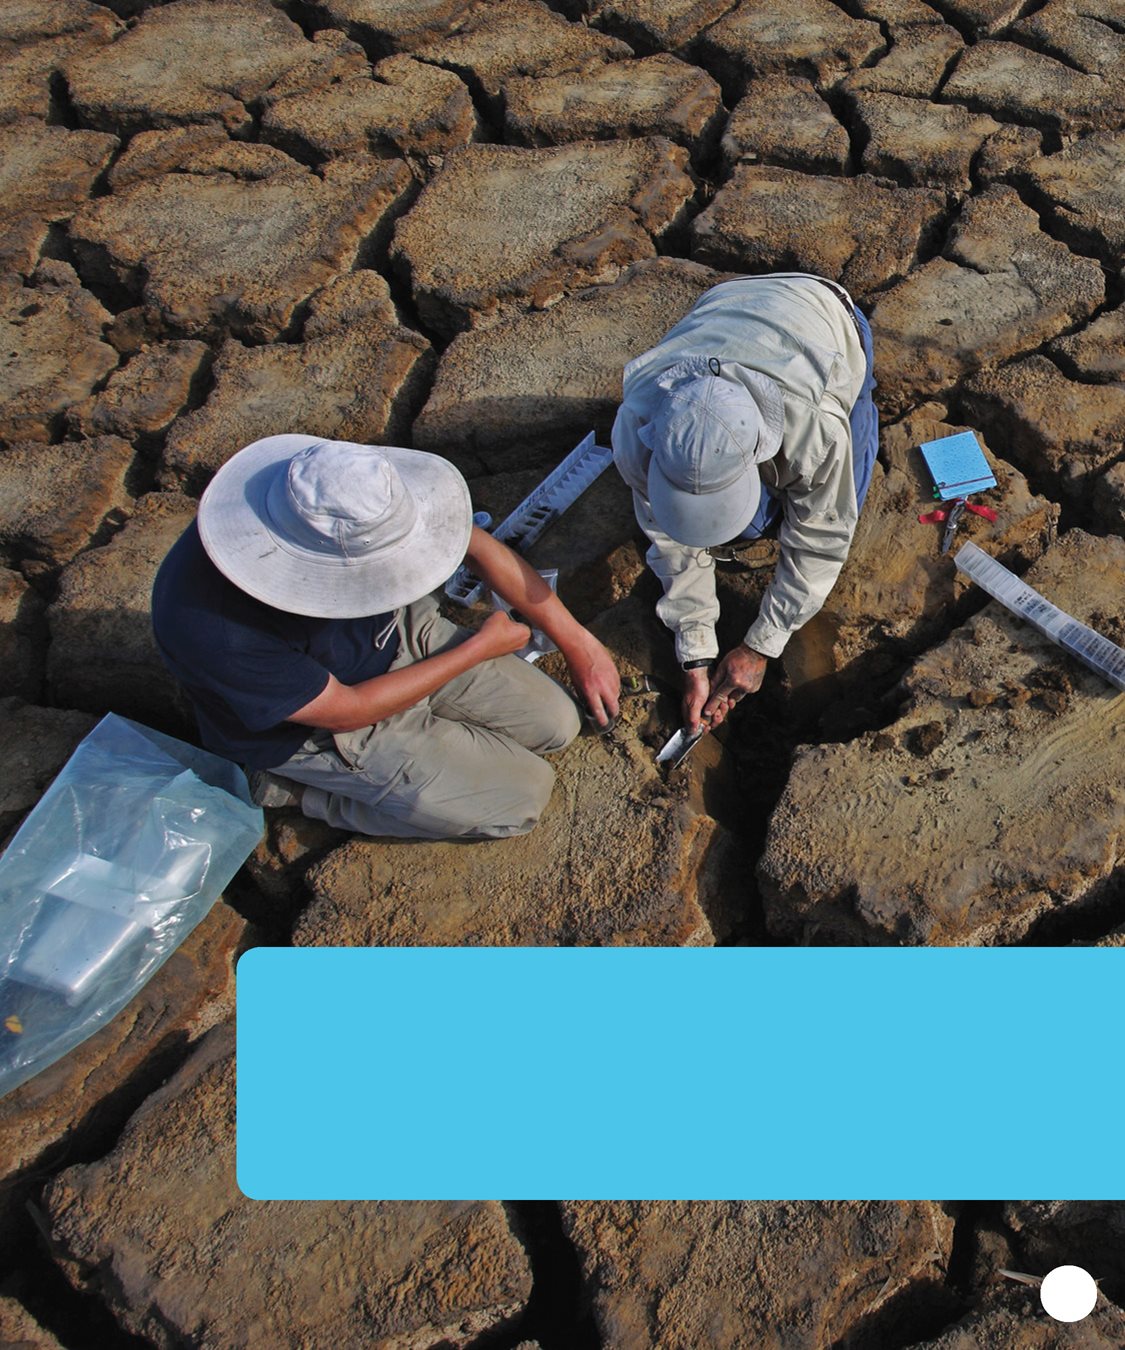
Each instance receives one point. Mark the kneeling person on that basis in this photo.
(296, 613)
(755, 410)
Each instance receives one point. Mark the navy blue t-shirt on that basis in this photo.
(246, 666)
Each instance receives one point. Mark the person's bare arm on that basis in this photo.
(347, 707)
(591, 667)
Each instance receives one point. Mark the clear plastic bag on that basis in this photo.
(124, 854)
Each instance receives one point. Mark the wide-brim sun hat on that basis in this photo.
(332, 529)
(706, 436)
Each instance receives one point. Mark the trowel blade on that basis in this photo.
(679, 747)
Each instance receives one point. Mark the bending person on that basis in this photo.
(755, 409)
(296, 613)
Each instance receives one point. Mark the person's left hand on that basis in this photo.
(595, 678)
(740, 672)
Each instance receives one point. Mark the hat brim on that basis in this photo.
(703, 519)
(235, 528)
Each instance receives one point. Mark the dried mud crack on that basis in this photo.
(447, 225)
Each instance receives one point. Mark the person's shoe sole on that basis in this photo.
(267, 789)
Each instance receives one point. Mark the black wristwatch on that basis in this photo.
(696, 665)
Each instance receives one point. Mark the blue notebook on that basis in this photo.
(958, 465)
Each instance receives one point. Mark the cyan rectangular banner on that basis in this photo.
(670, 1073)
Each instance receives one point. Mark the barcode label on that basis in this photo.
(1091, 648)
(1035, 607)
(1105, 656)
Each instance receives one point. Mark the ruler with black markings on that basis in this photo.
(540, 508)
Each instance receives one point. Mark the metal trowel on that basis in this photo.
(680, 746)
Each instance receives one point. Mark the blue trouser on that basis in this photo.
(864, 421)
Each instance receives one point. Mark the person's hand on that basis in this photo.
(499, 635)
(595, 678)
(697, 688)
(739, 673)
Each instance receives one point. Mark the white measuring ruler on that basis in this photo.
(1090, 647)
(541, 507)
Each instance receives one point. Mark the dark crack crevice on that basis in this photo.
(62, 112)
(854, 10)
(1029, 8)
(1046, 347)
(618, 25)
(100, 1285)
(951, 16)
(999, 428)
(297, 150)
(979, 180)
(397, 274)
(844, 106)
(962, 1254)
(489, 108)
(255, 110)
(311, 19)
(1023, 1241)
(675, 240)
(303, 16)
(707, 164)
(130, 10)
(78, 1320)
(946, 75)
(374, 251)
(919, 1312)
(937, 236)
(1083, 241)
(935, 401)
(1073, 372)
(557, 1315)
(93, 1135)
(1043, 46)
(411, 398)
(1084, 922)
(1049, 128)
(1084, 244)
(1116, 26)
(577, 11)
(96, 273)
(1066, 364)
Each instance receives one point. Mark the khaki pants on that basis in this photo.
(462, 763)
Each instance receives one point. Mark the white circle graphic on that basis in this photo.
(1068, 1293)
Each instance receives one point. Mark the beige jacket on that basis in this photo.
(793, 330)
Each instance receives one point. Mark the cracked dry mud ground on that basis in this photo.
(447, 223)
